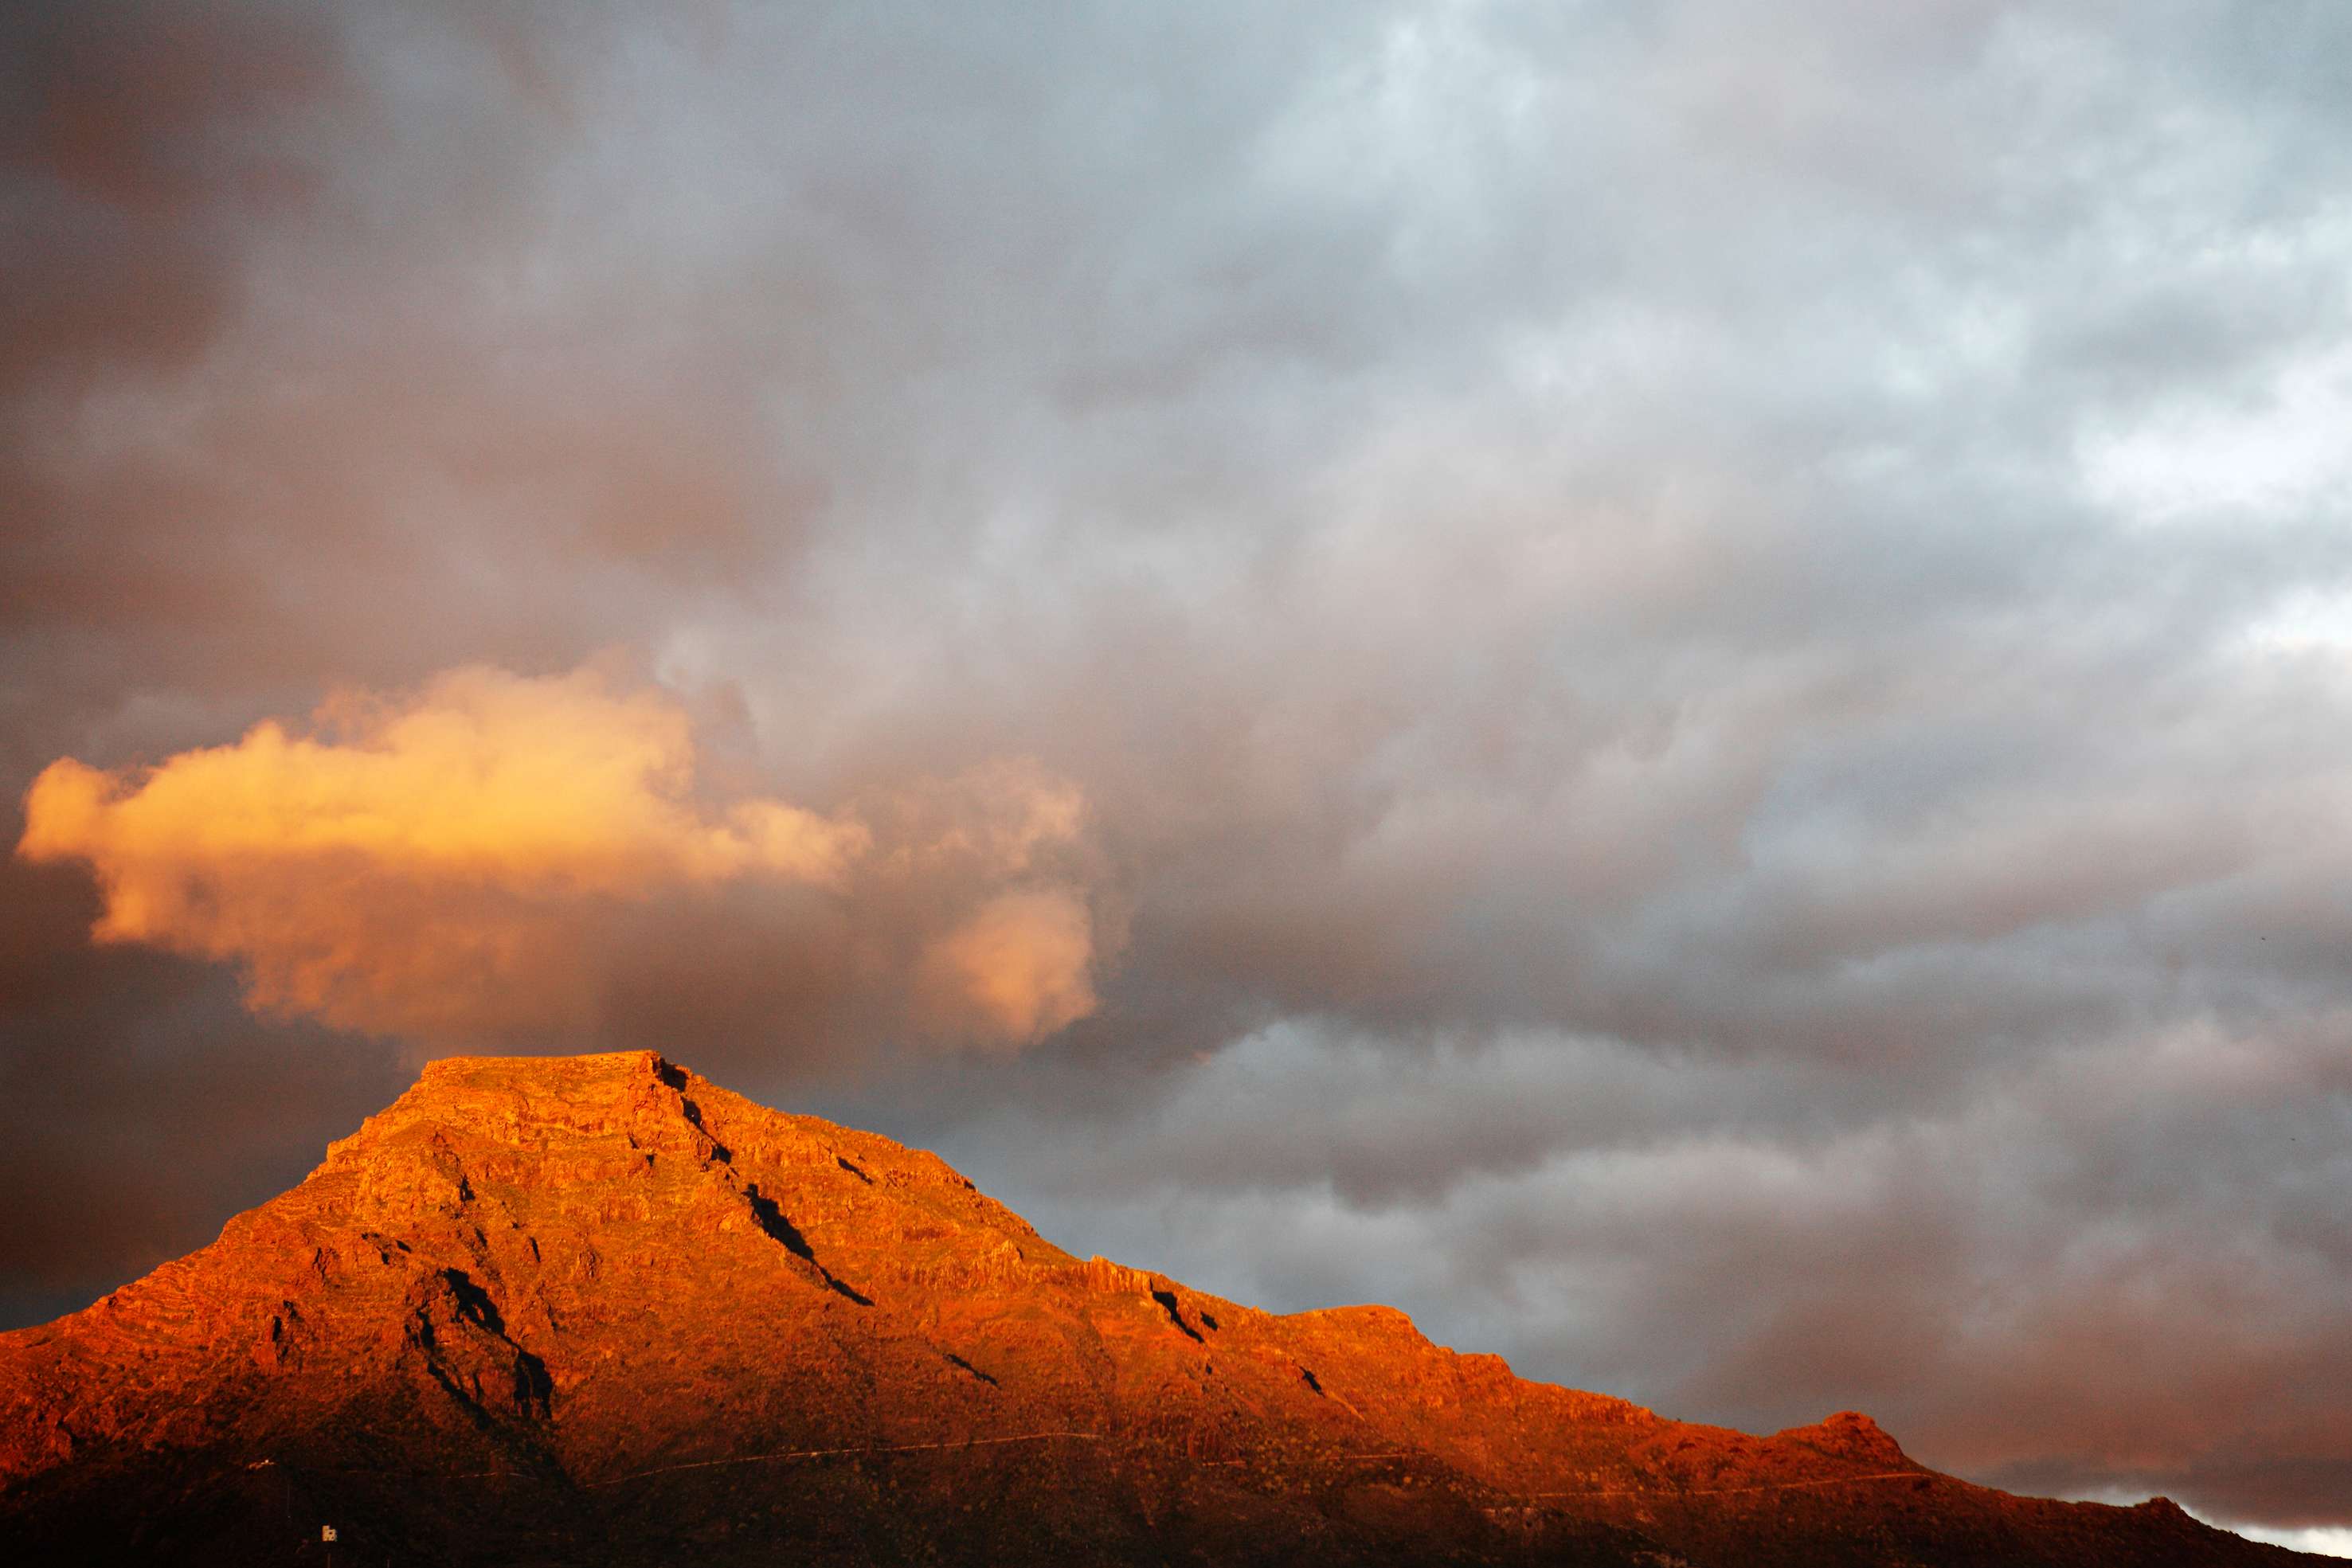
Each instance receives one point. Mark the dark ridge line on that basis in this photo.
(1167, 1299)
(782, 1231)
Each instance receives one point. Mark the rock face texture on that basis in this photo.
(598, 1310)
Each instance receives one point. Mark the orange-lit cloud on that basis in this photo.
(1022, 963)
(447, 864)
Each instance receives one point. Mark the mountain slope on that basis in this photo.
(596, 1308)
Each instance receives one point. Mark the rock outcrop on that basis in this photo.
(598, 1310)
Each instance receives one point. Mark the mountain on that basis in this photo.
(597, 1310)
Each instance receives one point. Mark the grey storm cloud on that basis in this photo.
(1706, 644)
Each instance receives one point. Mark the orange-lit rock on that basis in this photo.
(598, 1310)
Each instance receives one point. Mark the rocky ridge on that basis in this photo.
(598, 1309)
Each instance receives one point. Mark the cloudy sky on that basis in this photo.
(1670, 683)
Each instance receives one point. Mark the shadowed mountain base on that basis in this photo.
(598, 1310)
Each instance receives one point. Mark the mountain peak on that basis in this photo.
(515, 1094)
(597, 1308)
(549, 1074)
(1849, 1435)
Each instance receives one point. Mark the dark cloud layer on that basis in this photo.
(1706, 647)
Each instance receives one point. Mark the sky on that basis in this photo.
(1670, 683)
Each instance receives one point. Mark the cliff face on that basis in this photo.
(596, 1308)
